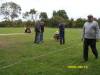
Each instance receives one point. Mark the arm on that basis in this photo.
(97, 31)
(83, 33)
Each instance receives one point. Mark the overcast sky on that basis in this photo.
(74, 8)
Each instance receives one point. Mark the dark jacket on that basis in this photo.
(61, 28)
(42, 27)
(37, 28)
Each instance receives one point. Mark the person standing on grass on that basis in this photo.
(62, 33)
(37, 32)
(90, 35)
(42, 30)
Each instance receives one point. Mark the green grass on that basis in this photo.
(20, 56)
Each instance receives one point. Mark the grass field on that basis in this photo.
(20, 56)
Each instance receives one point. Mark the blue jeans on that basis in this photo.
(62, 39)
(41, 36)
(37, 37)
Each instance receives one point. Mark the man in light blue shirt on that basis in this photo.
(90, 35)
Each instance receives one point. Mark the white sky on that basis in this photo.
(74, 8)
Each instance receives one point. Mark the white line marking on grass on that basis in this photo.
(10, 65)
(13, 34)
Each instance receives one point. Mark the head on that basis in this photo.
(90, 18)
(62, 24)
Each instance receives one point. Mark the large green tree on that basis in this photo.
(43, 16)
(56, 20)
(79, 22)
(61, 13)
(58, 17)
(26, 15)
(54, 13)
(32, 12)
(10, 10)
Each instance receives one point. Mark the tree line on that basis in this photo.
(12, 17)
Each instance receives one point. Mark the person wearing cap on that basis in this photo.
(90, 35)
(62, 33)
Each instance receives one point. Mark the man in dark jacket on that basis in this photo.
(62, 33)
(42, 31)
(37, 32)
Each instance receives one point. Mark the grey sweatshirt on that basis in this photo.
(91, 30)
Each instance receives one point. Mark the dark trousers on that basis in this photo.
(62, 39)
(92, 44)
